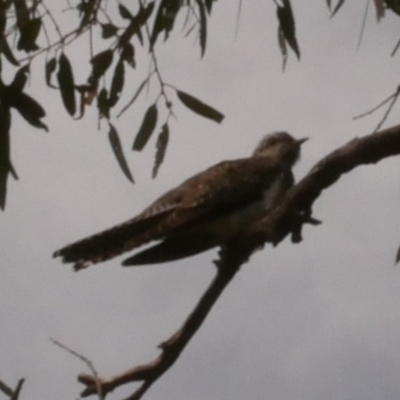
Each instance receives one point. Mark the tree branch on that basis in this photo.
(170, 349)
(287, 218)
(295, 209)
(12, 394)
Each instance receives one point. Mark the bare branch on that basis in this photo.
(170, 349)
(377, 107)
(90, 365)
(363, 26)
(393, 53)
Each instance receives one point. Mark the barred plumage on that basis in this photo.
(205, 211)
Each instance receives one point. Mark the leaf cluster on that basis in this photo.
(28, 24)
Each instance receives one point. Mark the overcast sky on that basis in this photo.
(318, 320)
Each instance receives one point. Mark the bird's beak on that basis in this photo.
(302, 140)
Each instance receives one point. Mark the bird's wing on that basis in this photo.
(215, 191)
(215, 206)
(219, 190)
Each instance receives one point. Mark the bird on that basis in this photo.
(207, 210)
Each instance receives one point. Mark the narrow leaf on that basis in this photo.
(21, 101)
(146, 129)
(203, 26)
(159, 24)
(132, 29)
(398, 256)
(117, 83)
(329, 3)
(88, 10)
(6, 50)
(144, 13)
(108, 30)
(165, 19)
(128, 54)
(82, 96)
(86, 94)
(199, 107)
(13, 172)
(103, 103)
(30, 110)
(124, 12)
(5, 121)
(21, 78)
(337, 7)
(287, 25)
(28, 107)
(49, 71)
(29, 34)
(209, 4)
(100, 62)
(282, 46)
(22, 13)
(65, 79)
(3, 18)
(117, 149)
(161, 148)
(6, 389)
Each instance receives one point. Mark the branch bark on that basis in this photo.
(170, 349)
(295, 209)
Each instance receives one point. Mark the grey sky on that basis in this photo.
(319, 320)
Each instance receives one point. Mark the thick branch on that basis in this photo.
(171, 348)
(287, 217)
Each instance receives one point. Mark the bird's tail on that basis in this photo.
(173, 248)
(109, 243)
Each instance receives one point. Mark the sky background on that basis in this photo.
(317, 320)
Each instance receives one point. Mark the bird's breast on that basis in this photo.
(232, 224)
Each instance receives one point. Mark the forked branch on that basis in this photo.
(170, 349)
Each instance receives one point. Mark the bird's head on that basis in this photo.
(280, 146)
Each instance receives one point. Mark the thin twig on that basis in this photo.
(163, 93)
(136, 95)
(388, 111)
(395, 49)
(56, 26)
(171, 348)
(363, 25)
(91, 42)
(75, 35)
(238, 18)
(87, 362)
(364, 114)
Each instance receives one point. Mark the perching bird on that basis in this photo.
(207, 210)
